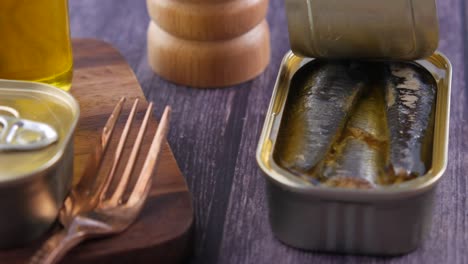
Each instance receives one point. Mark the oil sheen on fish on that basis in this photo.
(321, 97)
(358, 159)
(410, 98)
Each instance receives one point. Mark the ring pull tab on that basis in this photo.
(17, 134)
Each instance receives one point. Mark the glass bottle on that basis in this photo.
(35, 42)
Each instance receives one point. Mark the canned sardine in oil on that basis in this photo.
(37, 124)
(355, 142)
(366, 213)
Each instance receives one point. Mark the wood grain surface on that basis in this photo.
(208, 64)
(163, 230)
(207, 21)
(208, 44)
(214, 134)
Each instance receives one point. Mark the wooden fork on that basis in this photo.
(92, 209)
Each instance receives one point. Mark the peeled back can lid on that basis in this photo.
(368, 29)
(36, 123)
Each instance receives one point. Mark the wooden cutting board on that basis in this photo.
(163, 231)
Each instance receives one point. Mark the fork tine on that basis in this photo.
(143, 183)
(117, 195)
(96, 157)
(118, 153)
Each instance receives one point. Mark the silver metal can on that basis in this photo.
(34, 178)
(385, 221)
(397, 29)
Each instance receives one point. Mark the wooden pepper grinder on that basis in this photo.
(208, 43)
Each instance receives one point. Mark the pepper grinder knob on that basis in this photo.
(208, 43)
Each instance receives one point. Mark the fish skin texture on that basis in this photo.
(358, 159)
(322, 95)
(410, 100)
(358, 124)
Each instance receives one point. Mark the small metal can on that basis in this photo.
(397, 29)
(37, 125)
(385, 221)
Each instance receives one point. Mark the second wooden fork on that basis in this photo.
(92, 208)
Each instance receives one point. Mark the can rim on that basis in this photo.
(413, 187)
(70, 100)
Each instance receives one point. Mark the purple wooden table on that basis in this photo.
(214, 135)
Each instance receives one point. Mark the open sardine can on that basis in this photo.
(389, 219)
(37, 124)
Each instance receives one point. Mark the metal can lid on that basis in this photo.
(40, 110)
(398, 29)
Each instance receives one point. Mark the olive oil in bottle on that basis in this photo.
(35, 42)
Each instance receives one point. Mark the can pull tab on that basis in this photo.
(17, 134)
